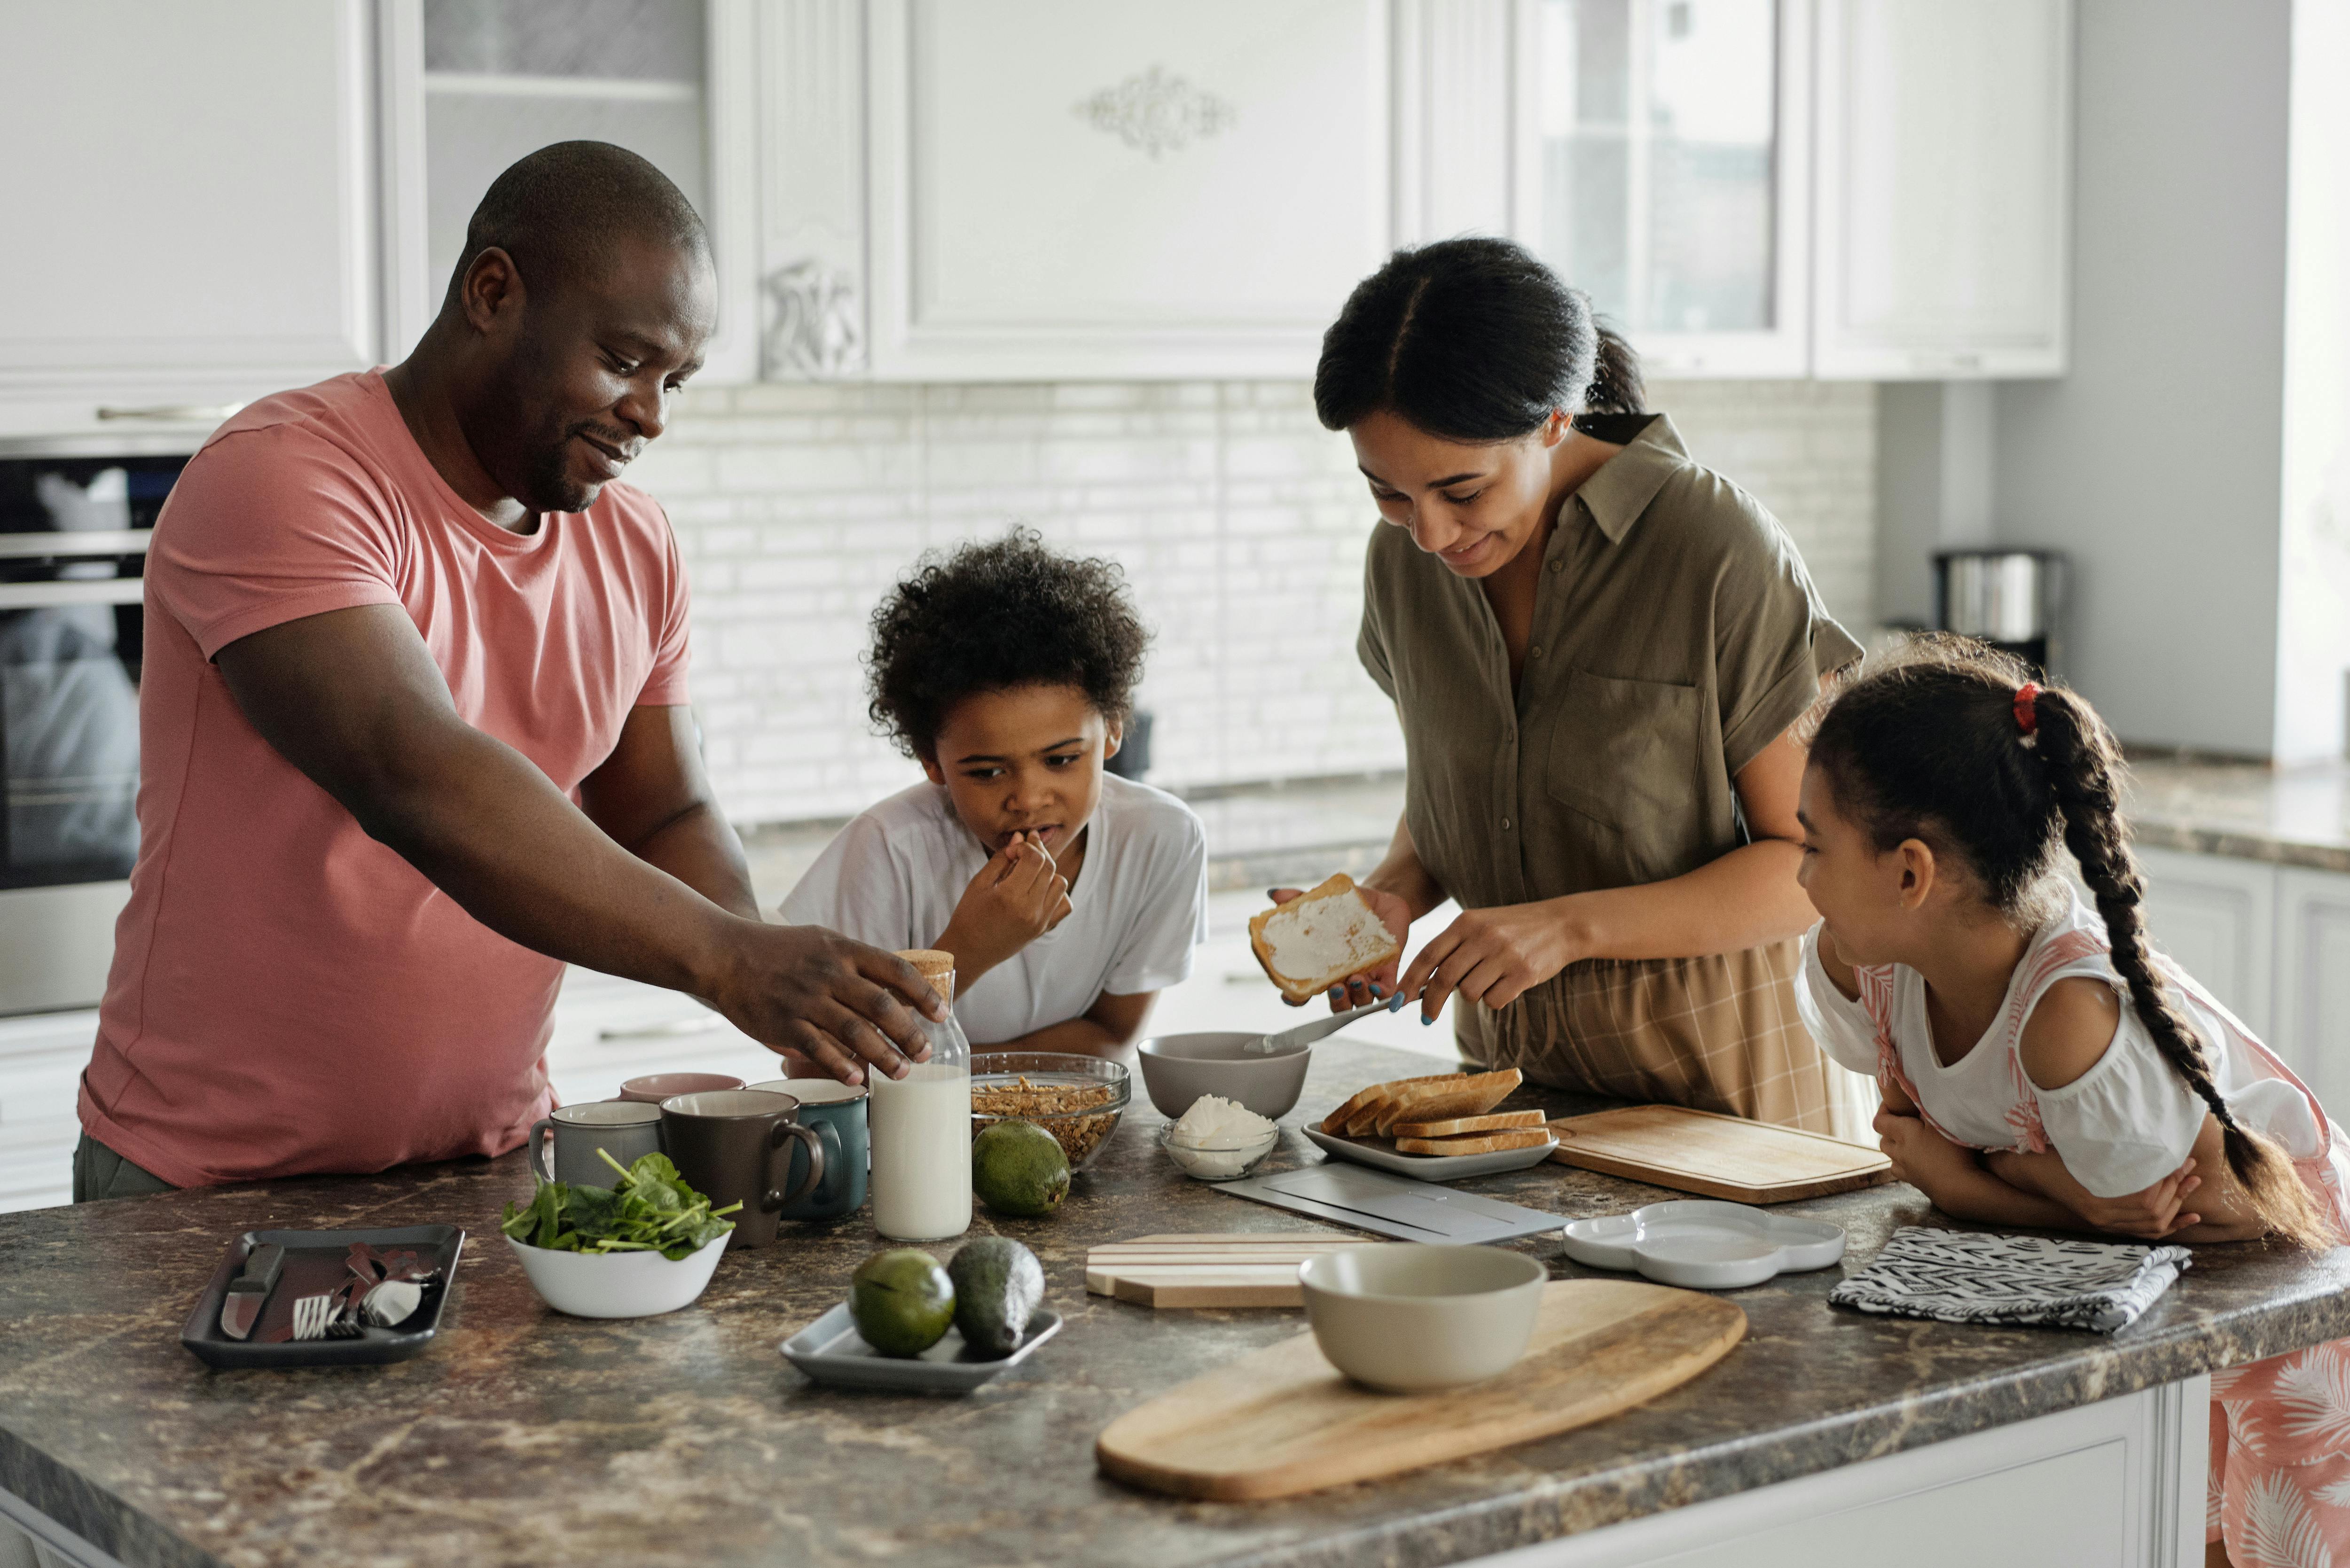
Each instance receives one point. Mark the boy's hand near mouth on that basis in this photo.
(1017, 897)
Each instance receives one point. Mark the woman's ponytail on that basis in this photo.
(1615, 386)
(2081, 760)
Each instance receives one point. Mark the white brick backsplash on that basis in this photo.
(1241, 522)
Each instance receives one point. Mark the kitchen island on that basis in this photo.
(522, 1436)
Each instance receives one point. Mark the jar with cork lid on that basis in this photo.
(921, 1126)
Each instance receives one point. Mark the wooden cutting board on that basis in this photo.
(1282, 1421)
(1239, 1270)
(1716, 1156)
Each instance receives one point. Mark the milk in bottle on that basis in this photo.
(920, 1129)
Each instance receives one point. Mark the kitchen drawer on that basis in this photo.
(41, 1061)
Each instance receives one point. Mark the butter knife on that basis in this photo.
(249, 1292)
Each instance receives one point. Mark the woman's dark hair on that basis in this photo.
(1472, 340)
(994, 617)
(1929, 745)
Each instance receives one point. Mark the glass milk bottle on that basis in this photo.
(920, 1128)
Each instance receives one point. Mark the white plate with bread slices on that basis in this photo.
(1442, 1128)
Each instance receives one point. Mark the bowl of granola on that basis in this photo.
(1077, 1099)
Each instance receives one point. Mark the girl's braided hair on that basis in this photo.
(1930, 745)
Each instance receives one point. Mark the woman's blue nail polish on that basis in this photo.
(1396, 1005)
(1376, 992)
(1336, 991)
(1426, 1018)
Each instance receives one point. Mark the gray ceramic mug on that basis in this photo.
(835, 1111)
(563, 1145)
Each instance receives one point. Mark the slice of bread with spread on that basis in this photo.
(1318, 939)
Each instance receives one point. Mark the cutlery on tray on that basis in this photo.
(1307, 1033)
(249, 1292)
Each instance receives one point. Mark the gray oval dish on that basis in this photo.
(830, 1351)
(1704, 1244)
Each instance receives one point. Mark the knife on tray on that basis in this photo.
(249, 1292)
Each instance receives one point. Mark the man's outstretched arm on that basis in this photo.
(353, 699)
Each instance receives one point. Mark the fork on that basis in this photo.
(328, 1316)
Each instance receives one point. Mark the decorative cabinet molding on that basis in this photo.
(1063, 190)
(2313, 1007)
(1945, 189)
(205, 188)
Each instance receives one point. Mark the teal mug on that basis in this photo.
(835, 1112)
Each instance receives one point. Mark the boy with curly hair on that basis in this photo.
(1069, 896)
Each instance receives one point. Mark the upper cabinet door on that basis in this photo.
(1662, 167)
(192, 219)
(1945, 169)
(1061, 189)
(472, 86)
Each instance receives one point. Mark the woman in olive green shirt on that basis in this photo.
(1596, 648)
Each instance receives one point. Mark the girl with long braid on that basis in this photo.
(2041, 1065)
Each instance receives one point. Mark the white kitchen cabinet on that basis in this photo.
(2117, 1484)
(2218, 916)
(471, 85)
(2312, 1009)
(1060, 190)
(1662, 165)
(191, 198)
(1944, 167)
(41, 1061)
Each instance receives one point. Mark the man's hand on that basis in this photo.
(844, 1006)
(1017, 897)
(1372, 985)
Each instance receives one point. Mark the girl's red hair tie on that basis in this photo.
(2027, 715)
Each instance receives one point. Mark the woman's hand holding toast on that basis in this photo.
(1372, 985)
(1017, 897)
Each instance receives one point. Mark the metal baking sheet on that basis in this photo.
(315, 1263)
(1393, 1205)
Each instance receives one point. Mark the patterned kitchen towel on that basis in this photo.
(1960, 1277)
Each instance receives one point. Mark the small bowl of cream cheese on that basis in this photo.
(1219, 1140)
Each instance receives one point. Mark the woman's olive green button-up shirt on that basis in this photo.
(1675, 635)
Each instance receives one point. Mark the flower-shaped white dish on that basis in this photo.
(1704, 1244)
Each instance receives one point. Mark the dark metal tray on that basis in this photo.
(314, 1262)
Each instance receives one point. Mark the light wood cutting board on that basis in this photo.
(1282, 1421)
(1716, 1156)
(1240, 1270)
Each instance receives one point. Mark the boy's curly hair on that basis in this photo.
(997, 615)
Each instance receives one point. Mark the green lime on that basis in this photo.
(1019, 1168)
(902, 1301)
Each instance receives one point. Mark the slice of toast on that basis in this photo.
(1365, 1116)
(1444, 1102)
(1476, 1142)
(1366, 1098)
(1499, 1121)
(1318, 939)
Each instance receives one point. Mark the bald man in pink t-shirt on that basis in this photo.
(414, 736)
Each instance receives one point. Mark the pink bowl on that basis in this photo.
(653, 1089)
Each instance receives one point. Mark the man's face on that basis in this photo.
(582, 377)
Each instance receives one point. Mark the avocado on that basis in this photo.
(1019, 1168)
(902, 1301)
(997, 1284)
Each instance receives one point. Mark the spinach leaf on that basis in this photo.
(650, 1208)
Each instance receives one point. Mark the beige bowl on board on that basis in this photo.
(1177, 1069)
(1406, 1318)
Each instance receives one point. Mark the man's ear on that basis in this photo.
(492, 292)
(1919, 873)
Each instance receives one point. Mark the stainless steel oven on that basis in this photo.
(73, 543)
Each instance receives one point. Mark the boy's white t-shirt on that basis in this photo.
(893, 877)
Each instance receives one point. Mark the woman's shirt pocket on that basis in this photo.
(1626, 753)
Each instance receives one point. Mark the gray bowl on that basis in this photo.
(1177, 1069)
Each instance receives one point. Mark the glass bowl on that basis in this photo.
(1221, 1159)
(1077, 1099)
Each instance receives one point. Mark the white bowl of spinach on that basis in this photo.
(644, 1246)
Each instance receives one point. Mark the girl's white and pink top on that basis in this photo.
(2121, 1127)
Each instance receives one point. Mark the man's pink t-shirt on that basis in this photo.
(287, 994)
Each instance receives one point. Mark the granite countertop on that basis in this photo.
(524, 1437)
(2290, 815)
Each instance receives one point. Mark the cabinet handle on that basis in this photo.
(62, 595)
(182, 413)
(658, 1030)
